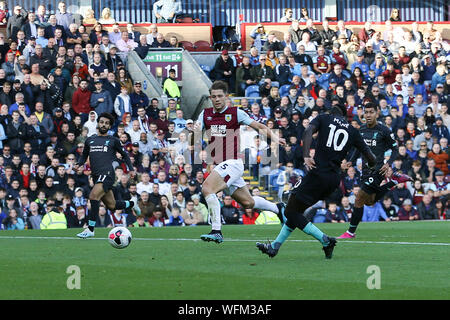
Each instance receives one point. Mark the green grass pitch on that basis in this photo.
(173, 263)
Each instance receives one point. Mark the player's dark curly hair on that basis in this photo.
(371, 105)
(339, 110)
(106, 115)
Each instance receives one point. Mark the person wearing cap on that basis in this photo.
(439, 186)
(259, 36)
(443, 97)
(54, 218)
(379, 65)
(360, 63)
(138, 98)
(224, 69)
(101, 99)
(387, 54)
(407, 211)
(338, 56)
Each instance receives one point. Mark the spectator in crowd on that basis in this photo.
(427, 209)
(160, 42)
(259, 36)
(229, 212)
(288, 15)
(166, 10)
(224, 69)
(56, 77)
(407, 211)
(191, 216)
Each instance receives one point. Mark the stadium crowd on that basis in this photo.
(56, 77)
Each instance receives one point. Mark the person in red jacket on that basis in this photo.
(25, 174)
(390, 73)
(249, 216)
(81, 101)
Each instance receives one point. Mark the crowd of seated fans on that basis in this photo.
(285, 83)
(56, 76)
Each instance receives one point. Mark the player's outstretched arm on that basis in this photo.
(265, 131)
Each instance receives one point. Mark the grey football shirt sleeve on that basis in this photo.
(243, 117)
(200, 120)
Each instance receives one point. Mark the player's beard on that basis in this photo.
(103, 130)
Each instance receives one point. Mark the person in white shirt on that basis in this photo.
(181, 146)
(180, 123)
(135, 131)
(115, 35)
(152, 35)
(122, 103)
(145, 184)
(164, 186)
(305, 42)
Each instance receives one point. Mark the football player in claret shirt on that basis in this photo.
(335, 138)
(222, 125)
(101, 149)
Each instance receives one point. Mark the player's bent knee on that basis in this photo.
(248, 203)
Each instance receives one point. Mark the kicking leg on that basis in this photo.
(243, 197)
(296, 219)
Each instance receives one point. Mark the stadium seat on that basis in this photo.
(284, 90)
(202, 43)
(206, 69)
(252, 91)
(187, 45)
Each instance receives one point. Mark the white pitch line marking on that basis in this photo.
(234, 240)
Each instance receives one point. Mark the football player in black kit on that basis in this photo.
(335, 138)
(379, 139)
(101, 149)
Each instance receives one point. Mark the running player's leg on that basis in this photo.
(96, 194)
(302, 197)
(211, 186)
(362, 198)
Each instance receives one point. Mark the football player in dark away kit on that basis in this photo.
(379, 139)
(101, 149)
(335, 139)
